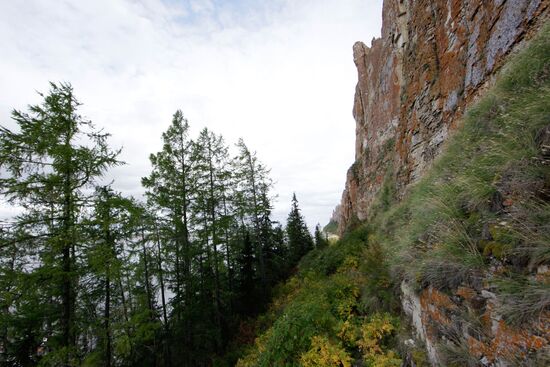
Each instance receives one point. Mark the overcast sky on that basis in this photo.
(279, 74)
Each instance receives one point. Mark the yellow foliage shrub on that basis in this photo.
(388, 359)
(323, 353)
(345, 295)
(350, 263)
(372, 333)
(349, 332)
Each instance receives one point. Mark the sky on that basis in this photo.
(279, 74)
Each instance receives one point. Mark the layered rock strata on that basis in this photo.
(433, 58)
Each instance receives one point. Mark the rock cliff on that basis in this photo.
(432, 60)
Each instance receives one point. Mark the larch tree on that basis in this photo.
(210, 157)
(252, 198)
(90, 277)
(169, 188)
(48, 164)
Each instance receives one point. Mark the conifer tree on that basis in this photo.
(299, 238)
(112, 223)
(50, 162)
(210, 157)
(320, 238)
(90, 277)
(252, 193)
(170, 188)
(247, 277)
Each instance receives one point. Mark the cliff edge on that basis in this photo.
(415, 82)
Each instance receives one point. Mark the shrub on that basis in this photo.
(324, 353)
(373, 333)
(312, 309)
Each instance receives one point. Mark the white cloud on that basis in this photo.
(279, 74)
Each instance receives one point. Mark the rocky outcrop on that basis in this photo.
(438, 317)
(336, 214)
(433, 58)
(331, 229)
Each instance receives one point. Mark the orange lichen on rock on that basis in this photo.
(433, 58)
(435, 307)
(465, 292)
(498, 341)
(510, 343)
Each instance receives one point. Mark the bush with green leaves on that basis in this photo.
(327, 295)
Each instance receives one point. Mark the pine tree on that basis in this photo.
(320, 238)
(299, 238)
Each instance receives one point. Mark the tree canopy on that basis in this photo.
(91, 277)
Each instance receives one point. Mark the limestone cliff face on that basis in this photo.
(433, 58)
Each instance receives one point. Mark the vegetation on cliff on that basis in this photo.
(479, 220)
(338, 308)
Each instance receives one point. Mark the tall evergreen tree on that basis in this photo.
(320, 237)
(210, 155)
(170, 188)
(247, 285)
(251, 197)
(50, 162)
(299, 238)
(89, 277)
(112, 223)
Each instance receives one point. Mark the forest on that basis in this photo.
(90, 277)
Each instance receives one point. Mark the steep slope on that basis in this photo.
(338, 309)
(470, 242)
(453, 271)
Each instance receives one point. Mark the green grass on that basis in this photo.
(436, 232)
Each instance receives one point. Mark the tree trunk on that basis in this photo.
(215, 246)
(228, 256)
(161, 278)
(167, 357)
(108, 317)
(68, 243)
(257, 224)
(146, 271)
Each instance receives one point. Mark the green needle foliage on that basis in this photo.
(299, 238)
(49, 163)
(89, 277)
